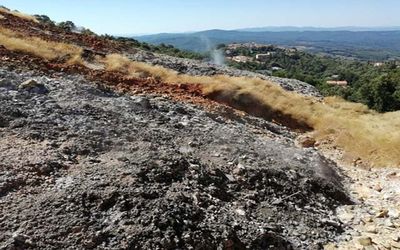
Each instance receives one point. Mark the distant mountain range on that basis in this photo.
(308, 28)
(365, 43)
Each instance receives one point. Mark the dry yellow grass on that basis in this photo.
(36, 46)
(360, 132)
(18, 14)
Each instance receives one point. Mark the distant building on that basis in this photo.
(242, 59)
(276, 68)
(264, 57)
(337, 83)
(335, 76)
(291, 50)
(235, 46)
(378, 64)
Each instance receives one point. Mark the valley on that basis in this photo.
(364, 45)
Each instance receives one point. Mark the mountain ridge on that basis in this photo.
(314, 28)
(318, 41)
(278, 29)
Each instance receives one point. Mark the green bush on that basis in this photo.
(44, 19)
(162, 48)
(67, 25)
(377, 87)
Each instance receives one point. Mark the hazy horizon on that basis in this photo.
(157, 16)
(285, 28)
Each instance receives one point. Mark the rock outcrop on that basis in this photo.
(85, 167)
(96, 159)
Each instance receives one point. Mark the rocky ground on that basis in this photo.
(374, 222)
(84, 167)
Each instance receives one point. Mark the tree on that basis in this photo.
(44, 19)
(67, 25)
(87, 32)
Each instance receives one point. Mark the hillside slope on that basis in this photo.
(92, 168)
(104, 146)
(95, 159)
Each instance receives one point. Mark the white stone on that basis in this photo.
(371, 229)
(394, 213)
(240, 212)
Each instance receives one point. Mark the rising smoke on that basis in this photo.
(218, 57)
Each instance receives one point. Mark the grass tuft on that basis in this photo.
(18, 14)
(33, 45)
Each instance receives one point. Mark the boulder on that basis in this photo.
(306, 141)
(365, 241)
(34, 87)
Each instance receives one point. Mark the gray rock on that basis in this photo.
(143, 102)
(109, 171)
(33, 86)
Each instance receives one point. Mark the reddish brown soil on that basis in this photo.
(101, 46)
(191, 93)
(56, 34)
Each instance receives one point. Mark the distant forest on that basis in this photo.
(364, 45)
(376, 85)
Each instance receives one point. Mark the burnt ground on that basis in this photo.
(85, 167)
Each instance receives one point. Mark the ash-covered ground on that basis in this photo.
(82, 167)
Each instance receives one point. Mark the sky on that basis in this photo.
(120, 17)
